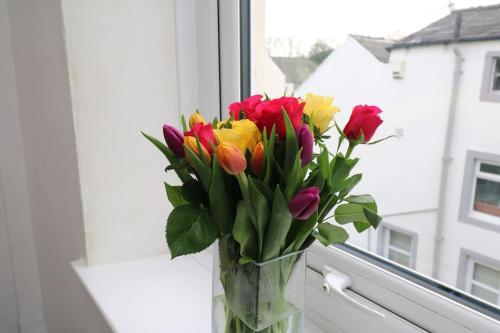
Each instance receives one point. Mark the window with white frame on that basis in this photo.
(483, 281)
(481, 192)
(496, 75)
(490, 88)
(398, 246)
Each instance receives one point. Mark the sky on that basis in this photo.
(306, 21)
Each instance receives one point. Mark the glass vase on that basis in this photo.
(253, 297)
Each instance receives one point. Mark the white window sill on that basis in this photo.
(154, 294)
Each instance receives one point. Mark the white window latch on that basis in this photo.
(335, 283)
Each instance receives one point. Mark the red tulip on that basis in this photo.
(174, 140)
(304, 203)
(364, 120)
(247, 106)
(305, 140)
(205, 134)
(268, 113)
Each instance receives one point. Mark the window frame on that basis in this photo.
(418, 299)
(467, 213)
(464, 275)
(384, 246)
(489, 73)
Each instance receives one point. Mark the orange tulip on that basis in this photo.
(230, 158)
(190, 141)
(196, 118)
(257, 161)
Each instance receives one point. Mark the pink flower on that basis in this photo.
(304, 203)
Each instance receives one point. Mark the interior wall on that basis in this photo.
(51, 163)
(20, 299)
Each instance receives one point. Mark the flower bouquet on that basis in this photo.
(262, 183)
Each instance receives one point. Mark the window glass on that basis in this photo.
(483, 293)
(358, 52)
(400, 240)
(490, 168)
(486, 275)
(487, 199)
(400, 258)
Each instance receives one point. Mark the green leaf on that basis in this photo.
(244, 232)
(364, 199)
(320, 238)
(361, 209)
(324, 166)
(202, 169)
(222, 200)
(299, 232)
(182, 172)
(291, 147)
(261, 211)
(350, 212)
(190, 229)
(194, 192)
(332, 233)
(268, 153)
(278, 227)
(340, 169)
(349, 184)
(174, 195)
(294, 178)
(183, 122)
(361, 226)
(326, 204)
(264, 189)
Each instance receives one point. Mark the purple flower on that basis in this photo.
(305, 141)
(304, 203)
(174, 140)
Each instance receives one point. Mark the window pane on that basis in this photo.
(487, 198)
(490, 168)
(375, 57)
(496, 83)
(484, 294)
(497, 66)
(400, 241)
(487, 276)
(399, 257)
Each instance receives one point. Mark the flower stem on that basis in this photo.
(349, 150)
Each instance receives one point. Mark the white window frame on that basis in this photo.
(489, 73)
(397, 291)
(385, 246)
(495, 75)
(470, 277)
(472, 172)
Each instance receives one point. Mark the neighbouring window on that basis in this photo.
(487, 194)
(398, 246)
(490, 90)
(496, 75)
(481, 192)
(483, 281)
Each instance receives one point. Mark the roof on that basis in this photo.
(465, 25)
(375, 45)
(296, 69)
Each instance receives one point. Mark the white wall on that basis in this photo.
(477, 128)
(51, 167)
(122, 68)
(17, 251)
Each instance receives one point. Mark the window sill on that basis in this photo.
(154, 294)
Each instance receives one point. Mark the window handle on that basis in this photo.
(335, 283)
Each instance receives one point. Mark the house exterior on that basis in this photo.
(438, 182)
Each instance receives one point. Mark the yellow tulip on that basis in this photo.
(190, 141)
(195, 118)
(244, 134)
(320, 110)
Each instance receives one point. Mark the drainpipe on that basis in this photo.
(446, 158)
